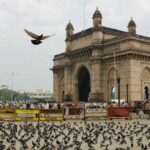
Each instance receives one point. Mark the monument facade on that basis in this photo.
(100, 60)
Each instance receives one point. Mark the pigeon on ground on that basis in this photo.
(37, 38)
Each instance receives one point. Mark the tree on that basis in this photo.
(6, 94)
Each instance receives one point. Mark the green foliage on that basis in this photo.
(6, 94)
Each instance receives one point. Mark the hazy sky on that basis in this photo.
(32, 63)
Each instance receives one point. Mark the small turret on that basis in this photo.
(132, 26)
(97, 19)
(69, 29)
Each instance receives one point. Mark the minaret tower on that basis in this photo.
(69, 33)
(69, 29)
(97, 24)
(97, 19)
(132, 26)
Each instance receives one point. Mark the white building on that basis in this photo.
(40, 94)
(3, 86)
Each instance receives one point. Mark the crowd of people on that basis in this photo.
(50, 105)
(29, 105)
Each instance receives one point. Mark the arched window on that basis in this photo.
(146, 93)
(114, 93)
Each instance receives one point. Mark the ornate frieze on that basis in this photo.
(80, 54)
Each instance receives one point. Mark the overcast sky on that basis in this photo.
(32, 63)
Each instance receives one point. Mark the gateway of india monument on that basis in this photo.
(100, 60)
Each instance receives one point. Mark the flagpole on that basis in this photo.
(84, 17)
(115, 75)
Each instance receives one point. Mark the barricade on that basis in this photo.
(119, 112)
(27, 114)
(39, 115)
(136, 110)
(73, 111)
(96, 111)
(51, 115)
(140, 110)
(7, 114)
(140, 113)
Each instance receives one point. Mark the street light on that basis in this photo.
(12, 74)
(25, 94)
(118, 81)
(12, 80)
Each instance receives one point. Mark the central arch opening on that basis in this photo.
(84, 84)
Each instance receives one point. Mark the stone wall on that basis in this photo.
(135, 80)
(87, 40)
(82, 42)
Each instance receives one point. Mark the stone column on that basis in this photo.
(97, 35)
(95, 93)
(68, 82)
(127, 93)
(55, 85)
(118, 82)
(135, 80)
(76, 92)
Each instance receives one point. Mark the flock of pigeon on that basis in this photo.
(79, 135)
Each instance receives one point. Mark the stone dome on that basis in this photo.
(97, 13)
(69, 26)
(131, 23)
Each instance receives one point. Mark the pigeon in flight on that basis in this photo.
(37, 38)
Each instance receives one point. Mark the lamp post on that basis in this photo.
(24, 93)
(127, 92)
(118, 81)
(12, 82)
(25, 96)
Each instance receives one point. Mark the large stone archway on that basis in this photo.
(83, 84)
